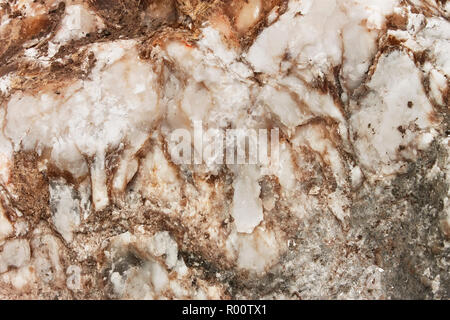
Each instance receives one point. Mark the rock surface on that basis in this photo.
(93, 204)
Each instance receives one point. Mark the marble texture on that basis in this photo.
(92, 205)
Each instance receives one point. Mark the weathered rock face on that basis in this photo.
(94, 204)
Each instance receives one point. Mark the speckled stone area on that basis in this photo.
(93, 204)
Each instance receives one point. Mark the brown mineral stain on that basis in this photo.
(445, 228)
(30, 186)
(397, 21)
(34, 26)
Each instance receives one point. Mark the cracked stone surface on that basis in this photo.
(92, 205)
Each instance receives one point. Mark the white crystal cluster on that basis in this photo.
(332, 141)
